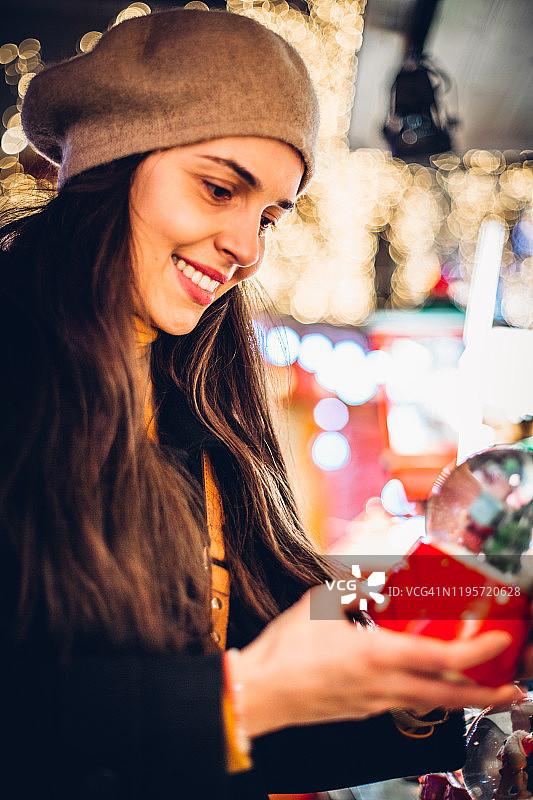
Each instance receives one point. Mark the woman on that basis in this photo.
(142, 478)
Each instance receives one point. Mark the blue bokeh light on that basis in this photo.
(282, 346)
(331, 451)
(315, 351)
(394, 499)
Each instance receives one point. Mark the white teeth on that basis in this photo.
(197, 277)
(178, 262)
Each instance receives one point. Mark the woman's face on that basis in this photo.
(199, 215)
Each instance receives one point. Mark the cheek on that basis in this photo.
(164, 221)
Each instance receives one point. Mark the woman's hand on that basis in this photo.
(301, 671)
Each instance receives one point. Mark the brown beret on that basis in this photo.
(171, 78)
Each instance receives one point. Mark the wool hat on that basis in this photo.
(172, 78)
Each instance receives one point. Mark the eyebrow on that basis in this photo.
(247, 177)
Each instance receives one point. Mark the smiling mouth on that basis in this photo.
(197, 277)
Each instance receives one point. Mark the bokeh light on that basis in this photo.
(394, 499)
(346, 361)
(13, 140)
(331, 414)
(330, 451)
(379, 365)
(320, 263)
(282, 345)
(88, 41)
(315, 352)
(356, 388)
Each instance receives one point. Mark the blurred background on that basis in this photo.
(422, 206)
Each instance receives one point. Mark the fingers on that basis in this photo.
(466, 653)
(420, 693)
(343, 672)
(426, 655)
(419, 673)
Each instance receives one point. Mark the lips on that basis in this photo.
(202, 269)
(198, 281)
(197, 277)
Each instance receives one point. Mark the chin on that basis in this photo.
(178, 327)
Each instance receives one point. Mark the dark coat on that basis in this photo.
(138, 728)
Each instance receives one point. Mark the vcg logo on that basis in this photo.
(374, 580)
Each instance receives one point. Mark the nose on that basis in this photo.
(239, 239)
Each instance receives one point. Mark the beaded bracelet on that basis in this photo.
(234, 688)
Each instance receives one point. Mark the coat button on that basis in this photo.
(216, 603)
(215, 636)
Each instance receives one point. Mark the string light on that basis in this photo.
(88, 41)
(320, 262)
(132, 11)
(21, 63)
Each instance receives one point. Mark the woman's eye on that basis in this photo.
(266, 222)
(218, 192)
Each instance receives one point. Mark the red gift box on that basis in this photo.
(442, 594)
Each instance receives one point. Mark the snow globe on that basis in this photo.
(473, 570)
(499, 763)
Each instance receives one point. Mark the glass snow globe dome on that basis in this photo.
(499, 763)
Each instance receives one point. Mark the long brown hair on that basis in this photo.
(99, 526)
(220, 369)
